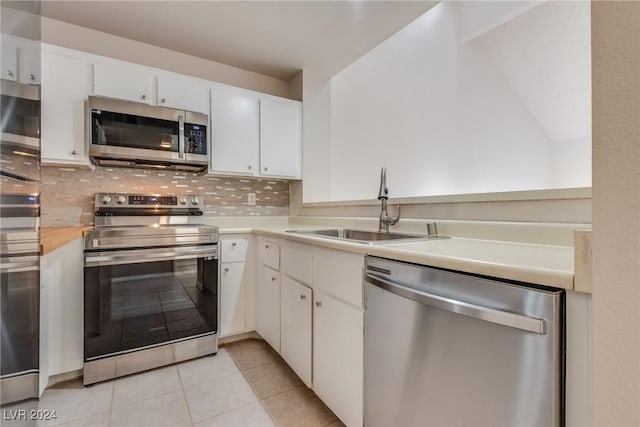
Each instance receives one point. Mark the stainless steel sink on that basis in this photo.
(367, 237)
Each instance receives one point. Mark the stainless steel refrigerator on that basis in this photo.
(19, 202)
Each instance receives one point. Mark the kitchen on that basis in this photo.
(614, 354)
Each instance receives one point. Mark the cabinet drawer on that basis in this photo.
(297, 263)
(270, 254)
(233, 250)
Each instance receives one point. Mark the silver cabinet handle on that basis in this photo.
(517, 321)
(318, 304)
(32, 77)
(266, 169)
(144, 96)
(10, 73)
(267, 246)
(303, 297)
(233, 244)
(163, 100)
(249, 167)
(273, 279)
(226, 269)
(74, 152)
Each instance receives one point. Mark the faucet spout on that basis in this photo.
(383, 192)
(383, 195)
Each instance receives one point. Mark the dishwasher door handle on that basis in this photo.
(505, 318)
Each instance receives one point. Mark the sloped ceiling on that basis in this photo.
(276, 38)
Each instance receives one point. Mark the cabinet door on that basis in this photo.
(122, 81)
(183, 93)
(268, 309)
(64, 278)
(295, 342)
(29, 70)
(232, 298)
(8, 57)
(280, 138)
(235, 132)
(337, 357)
(64, 91)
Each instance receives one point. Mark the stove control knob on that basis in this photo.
(120, 200)
(194, 201)
(106, 200)
(182, 201)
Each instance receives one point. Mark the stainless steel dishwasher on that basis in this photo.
(443, 348)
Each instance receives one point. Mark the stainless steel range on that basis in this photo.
(150, 284)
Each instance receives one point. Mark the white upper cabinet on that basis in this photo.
(64, 90)
(122, 81)
(29, 70)
(280, 137)
(182, 93)
(136, 83)
(9, 57)
(20, 59)
(235, 131)
(254, 135)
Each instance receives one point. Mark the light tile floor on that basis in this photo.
(245, 384)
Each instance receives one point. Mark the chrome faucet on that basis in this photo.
(383, 196)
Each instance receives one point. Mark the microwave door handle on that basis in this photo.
(181, 136)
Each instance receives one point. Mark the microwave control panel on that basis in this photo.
(196, 136)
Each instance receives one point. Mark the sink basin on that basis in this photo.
(367, 237)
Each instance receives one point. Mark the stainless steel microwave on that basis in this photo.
(130, 134)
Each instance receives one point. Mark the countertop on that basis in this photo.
(52, 238)
(540, 264)
(547, 265)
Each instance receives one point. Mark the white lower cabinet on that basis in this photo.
(338, 357)
(235, 286)
(62, 279)
(232, 298)
(296, 314)
(268, 306)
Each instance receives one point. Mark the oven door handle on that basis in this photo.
(20, 264)
(136, 256)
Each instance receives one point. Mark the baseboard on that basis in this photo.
(243, 336)
(64, 377)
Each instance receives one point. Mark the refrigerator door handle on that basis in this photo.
(512, 320)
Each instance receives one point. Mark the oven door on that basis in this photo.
(19, 325)
(141, 298)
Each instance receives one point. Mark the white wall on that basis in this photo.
(92, 41)
(616, 213)
(447, 116)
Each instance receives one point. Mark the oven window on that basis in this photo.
(125, 130)
(137, 305)
(19, 321)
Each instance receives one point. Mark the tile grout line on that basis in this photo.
(273, 420)
(184, 396)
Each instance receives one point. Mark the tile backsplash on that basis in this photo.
(67, 193)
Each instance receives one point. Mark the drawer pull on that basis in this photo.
(233, 244)
(303, 297)
(273, 279)
(267, 246)
(318, 304)
(226, 269)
